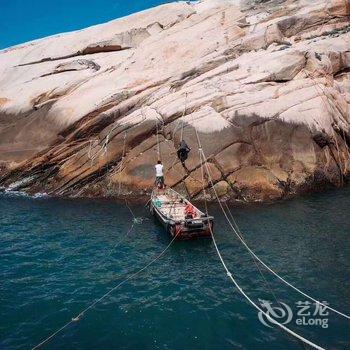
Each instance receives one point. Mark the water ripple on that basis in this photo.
(58, 256)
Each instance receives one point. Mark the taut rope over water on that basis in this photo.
(229, 274)
(82, 313)
(240, 237)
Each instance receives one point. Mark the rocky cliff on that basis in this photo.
(266, 84)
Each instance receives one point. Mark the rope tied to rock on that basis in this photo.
(183, 114)
(158, 145)
(229, 274)
(121, 163)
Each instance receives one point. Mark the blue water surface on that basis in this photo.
(58, 256)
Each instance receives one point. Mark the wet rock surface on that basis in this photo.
(264, 85)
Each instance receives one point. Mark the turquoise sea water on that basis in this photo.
(58, 256)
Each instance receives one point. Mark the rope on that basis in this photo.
(346, 142)
(326, 104)
(94, 143)
(121, 164)
(182, 131)
(181, 120)
(267, 284)
(176, 127)
(258, 259)
(78, 317)
(158, 145)
(342, 172)
(325, 10)
(202, 161)
(183, 114)
(104, 146)
(229, 274)
(118, 243)
(136, 219)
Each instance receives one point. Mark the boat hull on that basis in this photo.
(187, 229)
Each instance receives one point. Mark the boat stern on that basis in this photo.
(191, 228)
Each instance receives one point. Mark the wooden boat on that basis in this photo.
(169, 207)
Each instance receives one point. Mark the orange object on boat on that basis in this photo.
(190, 212)
(180, 218)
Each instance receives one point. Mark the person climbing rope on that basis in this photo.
(159, 175)
(183, 152)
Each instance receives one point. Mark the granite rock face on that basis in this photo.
(264, 84)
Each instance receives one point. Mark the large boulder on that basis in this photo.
(264, 87)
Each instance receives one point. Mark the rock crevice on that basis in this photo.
(265, 86)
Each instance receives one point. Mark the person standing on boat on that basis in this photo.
(183, 151)
(159, 175)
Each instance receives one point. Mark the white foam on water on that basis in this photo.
(14, 185)
(40, 195)
(6, 192)
(14, 193)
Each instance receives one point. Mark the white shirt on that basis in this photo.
(159, 169)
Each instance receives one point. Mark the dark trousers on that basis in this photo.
(160, 181)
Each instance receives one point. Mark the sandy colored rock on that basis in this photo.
(222, 189)
(194, 181)
(264, 85)
(235, 156)
(256, 184)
